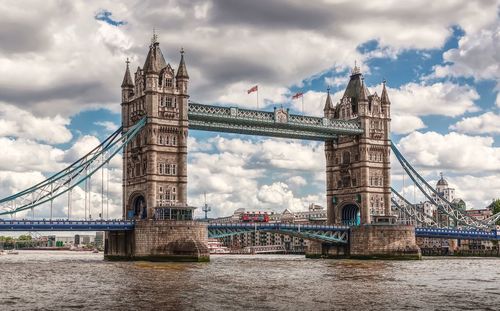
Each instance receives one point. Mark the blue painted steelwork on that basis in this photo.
(279, 123)
(331, 234)
(457, 234)
(65, 225)
(462, 219)
(72, 176)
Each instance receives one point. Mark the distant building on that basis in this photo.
(315, 214)
(480, 214)
(99, 239)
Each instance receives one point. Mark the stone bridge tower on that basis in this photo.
(155, 162)
(358, 167)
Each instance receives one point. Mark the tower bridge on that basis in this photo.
(157, 220)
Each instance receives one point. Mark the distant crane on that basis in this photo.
(205, 207)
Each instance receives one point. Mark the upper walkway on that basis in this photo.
(277, 123)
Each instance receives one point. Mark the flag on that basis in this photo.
(297, 95)
(253, 89)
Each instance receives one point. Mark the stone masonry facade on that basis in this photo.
(155, 162)
(358, 167)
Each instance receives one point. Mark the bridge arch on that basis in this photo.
(350, 214)
(138, 206)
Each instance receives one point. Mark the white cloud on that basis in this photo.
(107, 125)
(476, 191)
(229, 46)
(488, 122)
(242, 173)
(406, 124)
(15, 122)
(24, 155)
(441, 98)
(297, 181)
(477, 55)
(453, 151)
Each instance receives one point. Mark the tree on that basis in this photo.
(24, 238)
(495, 208)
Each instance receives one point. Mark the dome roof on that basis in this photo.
(442, 181)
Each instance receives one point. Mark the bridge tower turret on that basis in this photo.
(155, 162)
(358, 167)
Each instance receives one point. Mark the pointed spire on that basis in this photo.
(363, 94)
(384, 97)
(127, 78)
(182, 71)
(328, 102)
(154, 61)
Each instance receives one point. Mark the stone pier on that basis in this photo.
(159, 240)
(372, 241)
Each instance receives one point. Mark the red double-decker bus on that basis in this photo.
(254, 217)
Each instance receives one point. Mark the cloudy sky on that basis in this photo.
(62, 62)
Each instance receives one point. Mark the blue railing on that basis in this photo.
(66, 225)
(457, 234)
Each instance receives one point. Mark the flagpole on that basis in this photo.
(302, 104)
(257, 98)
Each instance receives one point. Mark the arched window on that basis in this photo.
(160, 168)
(168, 169)
(346, 157)
(160, 140)
(167, 140)
(174, 140)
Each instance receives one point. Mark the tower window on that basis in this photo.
(168, 82)
(160, 168)
(168, 102)
(174, 141)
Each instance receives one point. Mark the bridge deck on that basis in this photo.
(311, 231)
(267, 123)
(65, 225)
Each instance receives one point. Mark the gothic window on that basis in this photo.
(346, 181)
(160, 189)
(354, 182)
(168, 171)
(168, 102)
(168, 82)
(160, 81)
(167, 195)
(137, 169)
(174, 169)
(160, 168)
(339, 184)
(174, 141)
(160, 140)
(144, 167)
(346, 158)
(167, 142)
(336, 160)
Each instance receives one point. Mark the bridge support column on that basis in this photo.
(324, 250)
(166, 240)
(383, 242)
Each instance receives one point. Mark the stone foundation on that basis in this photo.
(159, 241)
(371, 242)
(383, 242)
(324, 250)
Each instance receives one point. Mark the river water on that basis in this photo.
(37, 280)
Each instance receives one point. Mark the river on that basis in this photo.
(38, 280)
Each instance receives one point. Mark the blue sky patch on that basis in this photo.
(105, 16)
